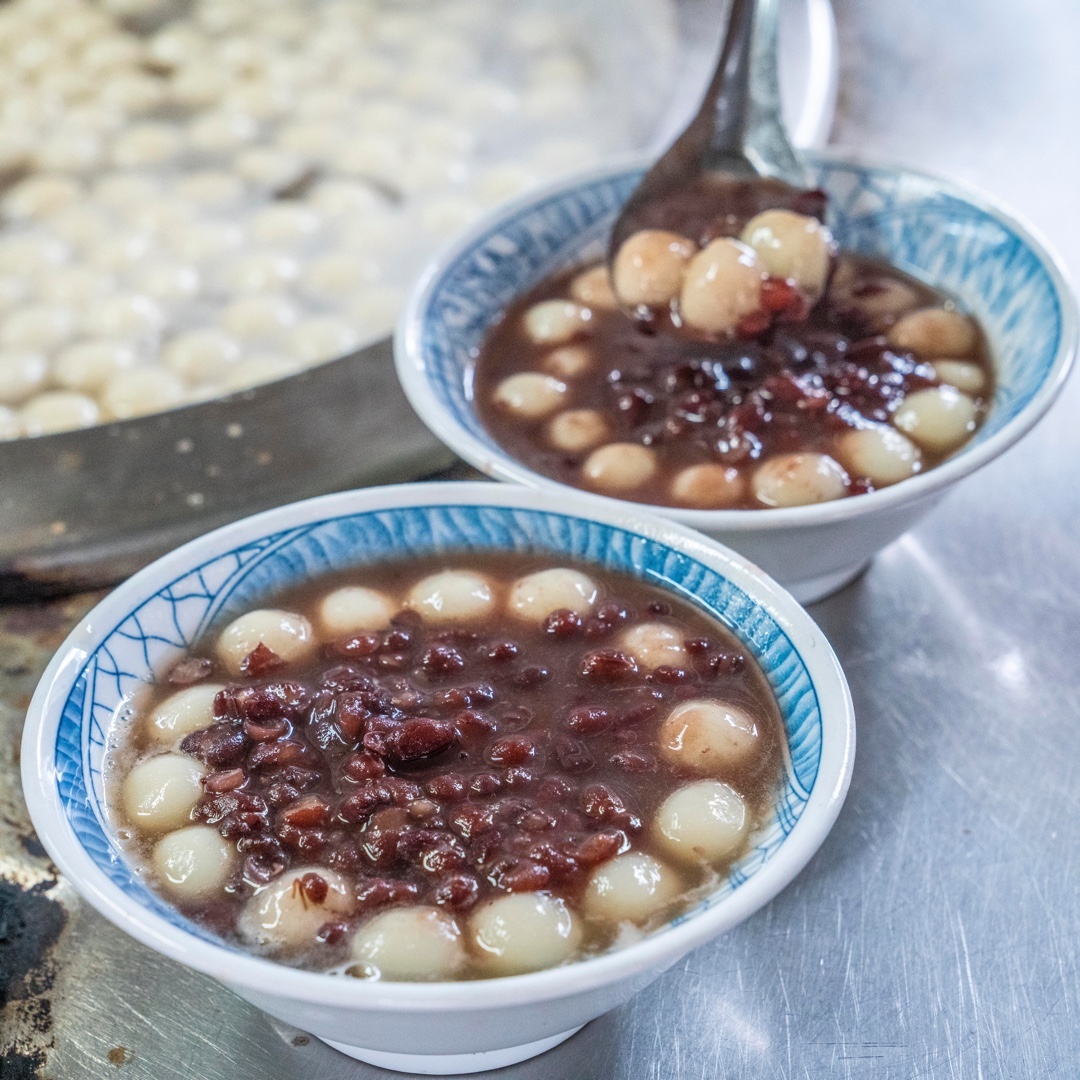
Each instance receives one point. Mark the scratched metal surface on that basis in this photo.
(937, 933)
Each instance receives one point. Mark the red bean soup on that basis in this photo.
(749, 366)
(451, 767)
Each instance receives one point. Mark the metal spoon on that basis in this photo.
(734, 159)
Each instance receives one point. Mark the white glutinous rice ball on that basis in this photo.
(451, 596)
(188, 710)
(593, 289)
(22, 373)
(30, 254)
(523, 932)
(140, 391)
(535, 596)
(70, 151)
(410, 944)
(203, 241)
(213, 189)
(311, 141)
(38, 327)
(568, 361)
(577, 430)
(133, 92)
(704, 822)
(222, 132)
(709, 736)
(16, 144)
(159, 793)
(151, 143)
(880, 453)
(654, 645)
(39, 197)
(650, 266)
(353, 609)
(127, 316)
(166, 281)
(254, 317)
(935, 333)
(630, 888)
(110, 52)
(721, 287)
(259, 99)
(793, 247)
(259, 272)
(967, 377)
(337, 275)
(74, 285)
(10, 424)
(15, 291)
(530, 395)
(555, 322)
(58, 410)
(121, 190)
(619, 467)
(257, 370)
(200, 355)
(322, 337)
(193, 863)
(940, 418)
(709, 486)
(335, 198)
(288, 635)
(268, 167)
(284, 223)
(286, 915)
(88, 365)
(120, 252)
(178, 43)
(799, 480)
(375, 310)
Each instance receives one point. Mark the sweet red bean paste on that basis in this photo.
(446, 768)
(748, 365)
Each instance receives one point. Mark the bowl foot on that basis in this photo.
(452, 1064)
(810, 590)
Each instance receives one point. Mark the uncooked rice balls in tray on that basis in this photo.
(200, 198)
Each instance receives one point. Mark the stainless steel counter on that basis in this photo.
(937, 932)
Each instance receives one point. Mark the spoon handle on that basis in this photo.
(739, 127)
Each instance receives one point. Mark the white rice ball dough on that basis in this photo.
(150, 143)
(721, 287)
(650, 266)
(530, 395)
(555, 322)
(256, 370)
(284, 633)
(799, 480)
(193, 863)
(654, 645)
(968, 378)
(523, 932)
(630, 888)
(38, 327)
(58, 410)
(792, 246)
(940, 418)
(160, 793)
(535, 596)
(200, 355)
(125, 316)
(88, 365)
(411, 944)
(451, 596)
(935, 333)
(702, 822)
(282, 916)
(619, 467)
(140, 391)
(709, 486)
(256, 317)
(188, 710)
(40, 196)
(322, 337)
(577, 429)
(708, 736)
(880, 453)
(569, 361)
(22, 373)
(353, 609)
(593, 289)
(10, 424)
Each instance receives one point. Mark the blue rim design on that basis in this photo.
(912, 220)
(165, 624)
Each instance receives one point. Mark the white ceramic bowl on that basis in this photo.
(138, 631)
(952, 237)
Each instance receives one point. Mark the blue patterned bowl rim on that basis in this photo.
(141, 627)
(427, 343)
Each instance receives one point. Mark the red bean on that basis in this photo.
(260, 661)
(512, 750)
(608, 665)
(601, 803)
(305, 813)
(588, 720)
(442, 660)
(218, 744)
(314, 887)
(447, 786)
(563, 623)
(191, 670)
(420, 737)
(266, 730)
(458, 892)
(526, 876)
(363, 766)
(225, 780)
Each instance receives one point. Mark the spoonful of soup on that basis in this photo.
(724, 233)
